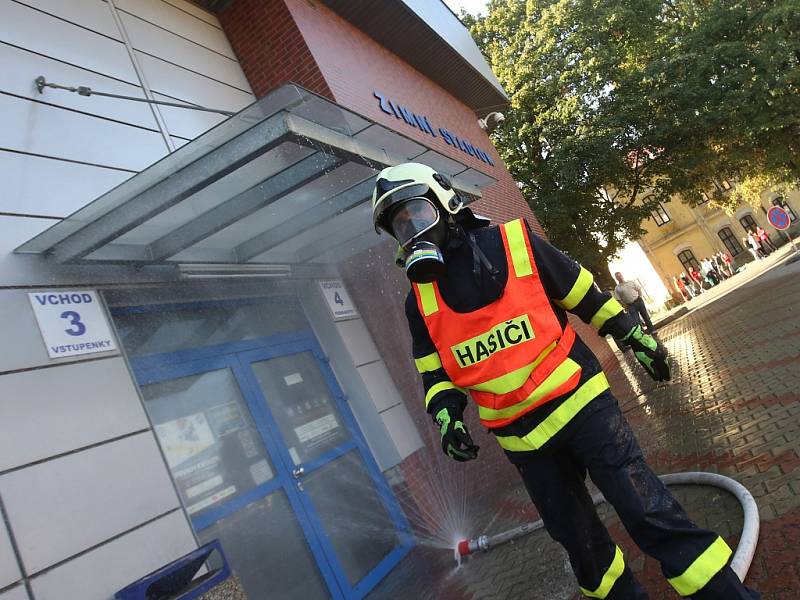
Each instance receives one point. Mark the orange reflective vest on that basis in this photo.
(512, 355)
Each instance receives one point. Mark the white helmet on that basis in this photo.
(399, 184)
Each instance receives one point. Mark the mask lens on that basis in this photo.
(413, 218)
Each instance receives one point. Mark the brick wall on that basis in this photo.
(303, 41)
(270, 47)
(354, 65)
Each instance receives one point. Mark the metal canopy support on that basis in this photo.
(339, 144)
(83, 90)
(169, 191)
(242, 205)
(339, 204)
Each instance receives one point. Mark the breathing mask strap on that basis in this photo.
(478, 259)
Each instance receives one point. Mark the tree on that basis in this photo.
(622, 104)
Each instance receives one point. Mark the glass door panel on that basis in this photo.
(208, 437)
(302, 405)
(342, 495)
(265, 544)
(351, 511)
(228, 483)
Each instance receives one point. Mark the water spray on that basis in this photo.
(741, 558)
(484, 543)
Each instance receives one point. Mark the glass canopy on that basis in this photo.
(286, 181)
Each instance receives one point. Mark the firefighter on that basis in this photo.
(487, 316)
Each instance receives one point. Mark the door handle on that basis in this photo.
(298, 472)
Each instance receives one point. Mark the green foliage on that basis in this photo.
(617, 105)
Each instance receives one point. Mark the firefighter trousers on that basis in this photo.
(600, 441)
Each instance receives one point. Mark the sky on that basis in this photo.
(471, 6)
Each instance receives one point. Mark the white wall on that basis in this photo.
(86, 500)
(364, 377)
(65, 149)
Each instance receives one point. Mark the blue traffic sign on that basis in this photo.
(778, 217)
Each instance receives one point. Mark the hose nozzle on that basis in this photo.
(467, 547)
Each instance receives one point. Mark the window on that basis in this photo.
(748, 223)
(688, 260)
(779, 201)
(660, 215)
(730, 241)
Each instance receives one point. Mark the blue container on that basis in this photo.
(176, 580)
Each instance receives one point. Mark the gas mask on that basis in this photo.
(419, 228)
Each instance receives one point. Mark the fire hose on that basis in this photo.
(741, 558)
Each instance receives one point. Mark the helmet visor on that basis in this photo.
(412, 218)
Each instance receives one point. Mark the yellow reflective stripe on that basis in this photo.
(705, 566)
(431, 362)
(505, 383)
(610, 577)
(582, 285)
(428, 297)
(558, 418)
(514, 380)
(440, 387)
(558, 377)
(519, 251)
(610, 309)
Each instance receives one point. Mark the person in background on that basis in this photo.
(719, 265)
(752, 242)
(697, 278)
(708, 273)
(746, 244)
(688, 284)
(763, 239)
(629, 293)
(727, 262)
(679, 285)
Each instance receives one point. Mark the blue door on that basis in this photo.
(267, 457)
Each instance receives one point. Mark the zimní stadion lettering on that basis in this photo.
(421, 122)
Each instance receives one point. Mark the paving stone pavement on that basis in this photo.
(732, 407)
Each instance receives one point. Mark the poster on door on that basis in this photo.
(184, 438)
(317, 432)
(226, 418)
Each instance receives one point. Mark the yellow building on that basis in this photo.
(679, 236)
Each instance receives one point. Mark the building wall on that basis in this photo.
(87, 502)
(697, 229)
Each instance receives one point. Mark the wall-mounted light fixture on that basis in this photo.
(490, 122)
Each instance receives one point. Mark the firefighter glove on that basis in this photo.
(649, 352)
(456, 441)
